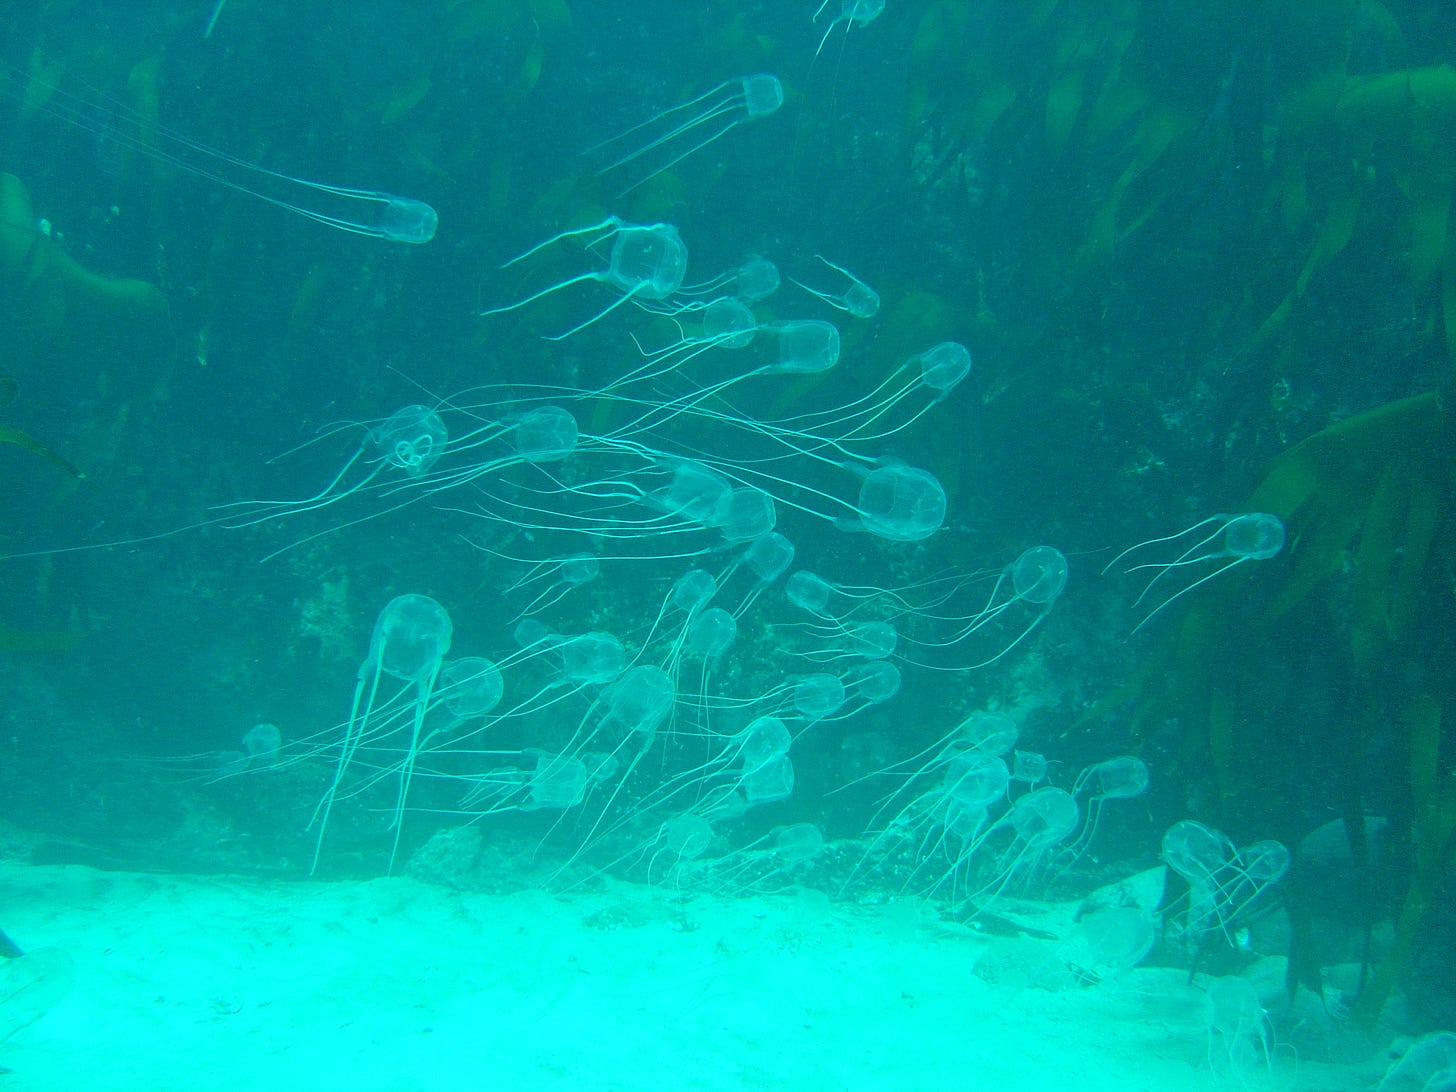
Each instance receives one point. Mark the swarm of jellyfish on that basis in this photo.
(639, 742)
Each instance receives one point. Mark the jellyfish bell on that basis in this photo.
(595, 657)
(412, 438)
(697, 493)
(899, 503)
(876, 681)
(943, 366)
(1039, 575)
(806, 347)
(648, 260)
(1255, 536)
(470, 686)
(756, 279)
(768, 556)
(745, 514)
(729, 324)
(545, 434)
(710, 633)
(808, 591)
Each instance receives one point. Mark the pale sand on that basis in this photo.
(243, 983)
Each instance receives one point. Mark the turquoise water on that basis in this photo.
(1175, 244)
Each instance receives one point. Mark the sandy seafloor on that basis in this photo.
(185, 982)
